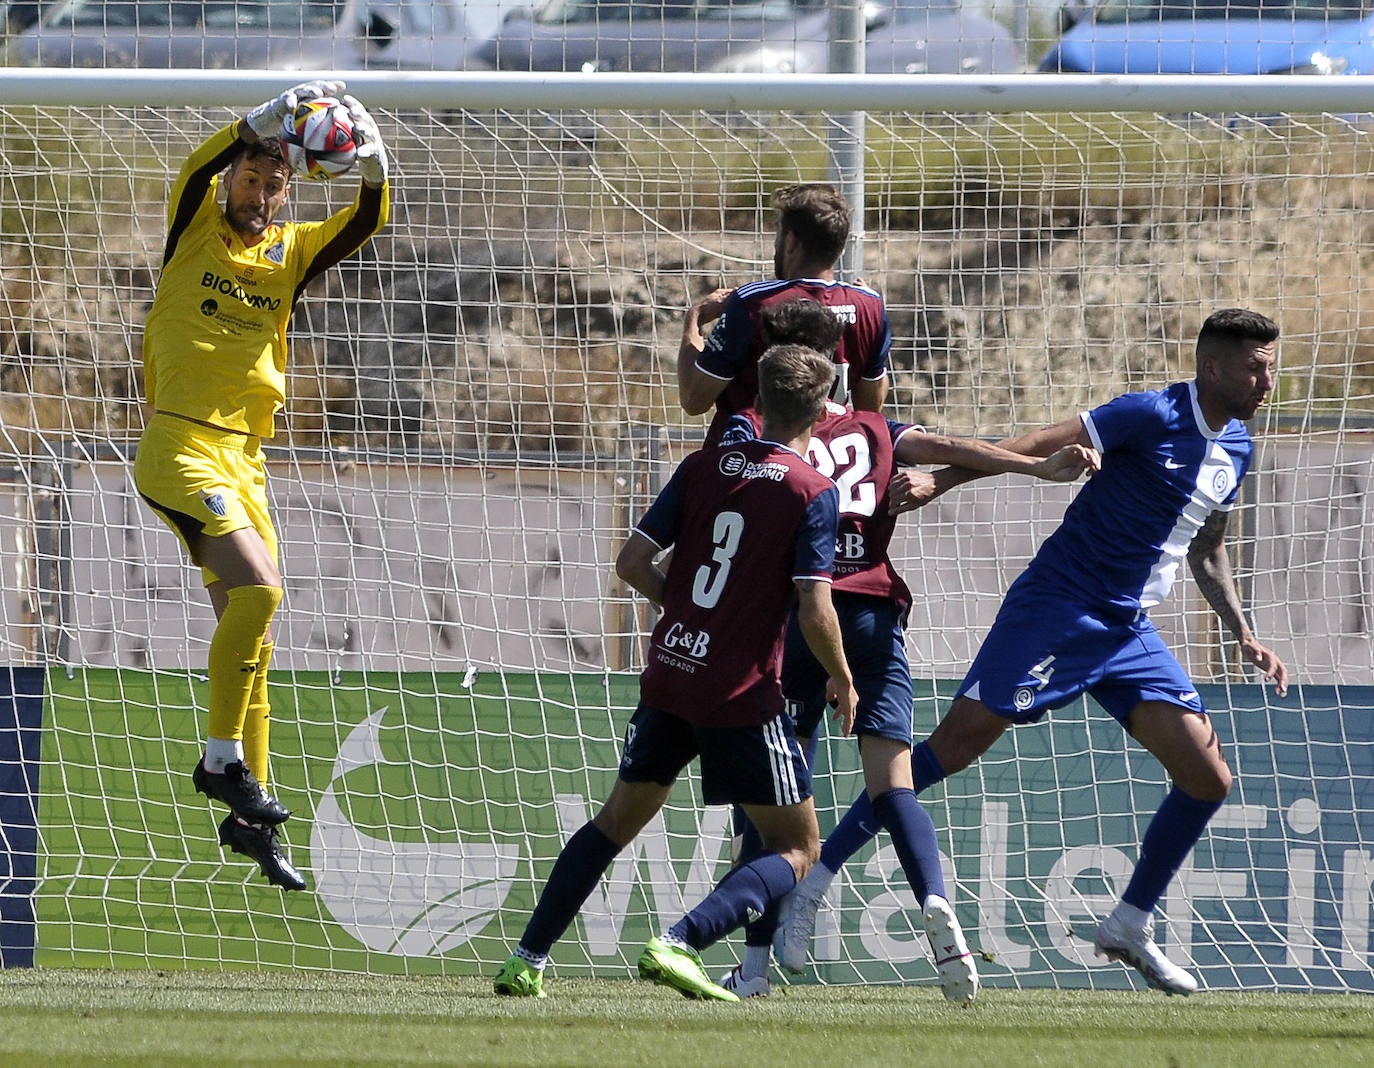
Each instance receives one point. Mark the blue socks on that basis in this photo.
(855, 828)
(757, 932)
(860, 824)
(925, 768)
(1173, 832)
(576, 872)
(913, 836)
(748, 888)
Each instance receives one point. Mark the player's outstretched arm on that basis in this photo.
(1211, 567)
(1063, 465)
(1050, 439)
(696, 390)
(911, 490)
(265, 120)
(820, 626)
(372, 160)
(1060, 453)
(1068, 464)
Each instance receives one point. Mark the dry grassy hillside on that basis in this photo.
(537, 306)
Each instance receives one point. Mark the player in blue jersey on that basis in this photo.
(1077, 619)
(721, 369)
(753, 527)
(860, 451)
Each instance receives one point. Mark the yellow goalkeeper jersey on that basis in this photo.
(214, 345)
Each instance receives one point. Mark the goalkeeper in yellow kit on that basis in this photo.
(214, 354)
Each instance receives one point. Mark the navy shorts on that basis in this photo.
(872, 630)
(759, 765)
(1044, 651)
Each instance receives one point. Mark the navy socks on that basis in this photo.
(913, 836)
(1173, 832)
(576, 872)
(748, 889)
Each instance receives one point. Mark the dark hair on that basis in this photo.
(801, 322)
(267, 148)
(818, 215)
(1227, 330)
(793, 383)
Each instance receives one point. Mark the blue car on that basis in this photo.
(1215, 37)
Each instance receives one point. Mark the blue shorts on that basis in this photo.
(761, 765)
(1044, 651)
(872, 630)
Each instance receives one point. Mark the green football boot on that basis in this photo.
(680, 968)
(518, 980)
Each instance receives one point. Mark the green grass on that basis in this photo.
(54, 1018)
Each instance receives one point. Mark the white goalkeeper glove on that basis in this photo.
(265, 120)
(372, 162)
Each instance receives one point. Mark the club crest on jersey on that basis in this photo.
(732, 463)
(1023, 698)
(277, 253)
(1221, 483)
(215, 502)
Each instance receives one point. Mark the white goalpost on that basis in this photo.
(483, 401)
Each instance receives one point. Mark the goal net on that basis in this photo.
(483, 401)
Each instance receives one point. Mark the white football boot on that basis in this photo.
(1116, 941)
(954, 962)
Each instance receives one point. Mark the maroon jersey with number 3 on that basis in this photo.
(746, 522)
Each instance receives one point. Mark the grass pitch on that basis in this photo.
(58, 1018)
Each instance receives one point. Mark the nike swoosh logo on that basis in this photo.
(1172, 465)
(1191, 695)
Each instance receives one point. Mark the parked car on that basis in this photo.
(744, 36)
(230, 34)
(1215, 37)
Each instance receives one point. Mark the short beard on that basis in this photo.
(244, 223)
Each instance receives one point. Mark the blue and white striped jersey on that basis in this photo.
(1164, 471)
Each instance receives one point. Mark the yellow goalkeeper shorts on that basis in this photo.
(203, 481)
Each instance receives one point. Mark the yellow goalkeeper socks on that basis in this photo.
(256, 723)
(234, 653)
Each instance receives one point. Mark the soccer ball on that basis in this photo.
(317, 139)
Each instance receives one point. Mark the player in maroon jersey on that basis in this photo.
(753, 528)
(813, 226)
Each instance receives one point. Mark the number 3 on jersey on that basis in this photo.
(709, 583)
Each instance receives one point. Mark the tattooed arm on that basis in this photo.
(1211, 567)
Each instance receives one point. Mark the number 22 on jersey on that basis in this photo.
(846, 462)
